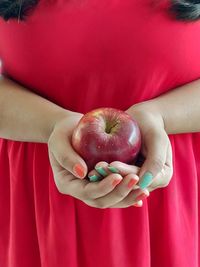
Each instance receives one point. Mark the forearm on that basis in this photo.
(179, 108)
(25, 116)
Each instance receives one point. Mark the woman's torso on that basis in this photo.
(82, 55)
(85, 54)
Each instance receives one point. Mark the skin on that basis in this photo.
(21, 120)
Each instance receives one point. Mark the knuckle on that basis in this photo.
(167, 178)
(60, 188)
(102, 189)
(63, 159)
(164, 184)
(157, 164)
(116, 162)
(120, 194)
(89, 195)
(86, 196)
(61, 185)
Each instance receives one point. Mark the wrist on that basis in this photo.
(53, 120)
(62, 120)
(148, 113)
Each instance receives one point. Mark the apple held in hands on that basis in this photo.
(107, 134)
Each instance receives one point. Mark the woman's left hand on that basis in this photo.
(157, 168)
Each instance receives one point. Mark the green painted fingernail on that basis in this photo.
(113, 169)
(93, 178)
(146, 180)
(101, 171)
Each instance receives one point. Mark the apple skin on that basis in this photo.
(107, 134)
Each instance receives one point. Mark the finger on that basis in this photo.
(119, 193)
(130, 201)
(63, 152)
(94, 176)
(122, 168)
(121, 204)
(157, 145)
(164, 177)
(103, 187)
(85, 190)
(135, 198)
(158, 181)
(99, 172)
(102, 168)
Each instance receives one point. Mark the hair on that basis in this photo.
(16, 9)
(185, 10)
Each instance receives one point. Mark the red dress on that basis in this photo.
(82, 55)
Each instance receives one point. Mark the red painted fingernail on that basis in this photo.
(131, 183)
(141, 197)
(79, 170)
(116, 182)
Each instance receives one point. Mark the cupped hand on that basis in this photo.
(125, 187)
(69, 171)
(157, 169)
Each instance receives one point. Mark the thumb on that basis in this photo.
(156, 144)
(66, 156)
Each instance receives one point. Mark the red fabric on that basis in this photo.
(83, 55)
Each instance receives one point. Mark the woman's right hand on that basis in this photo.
(69, 171)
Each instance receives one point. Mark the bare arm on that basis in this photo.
(25, 116)
(179, 108)
(177, 111)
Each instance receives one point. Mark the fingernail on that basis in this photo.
(93, 178)
(142, 196)
(132, 182)
(138, 204)
(79, 170)
(146, 180)
(113, 169)
(101, 171)
(116, 182)
(136, 187)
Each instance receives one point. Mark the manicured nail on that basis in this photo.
(146, 180)
(79, 170)
(94, 178)
(116, 182)
(142, 196)
(101, 171)
(138, 204)
(131, 183)
(113, 169)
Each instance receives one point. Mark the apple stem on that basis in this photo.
(109, 127)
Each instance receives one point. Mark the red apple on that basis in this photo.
(107, 134)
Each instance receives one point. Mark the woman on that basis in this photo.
(61, 59)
